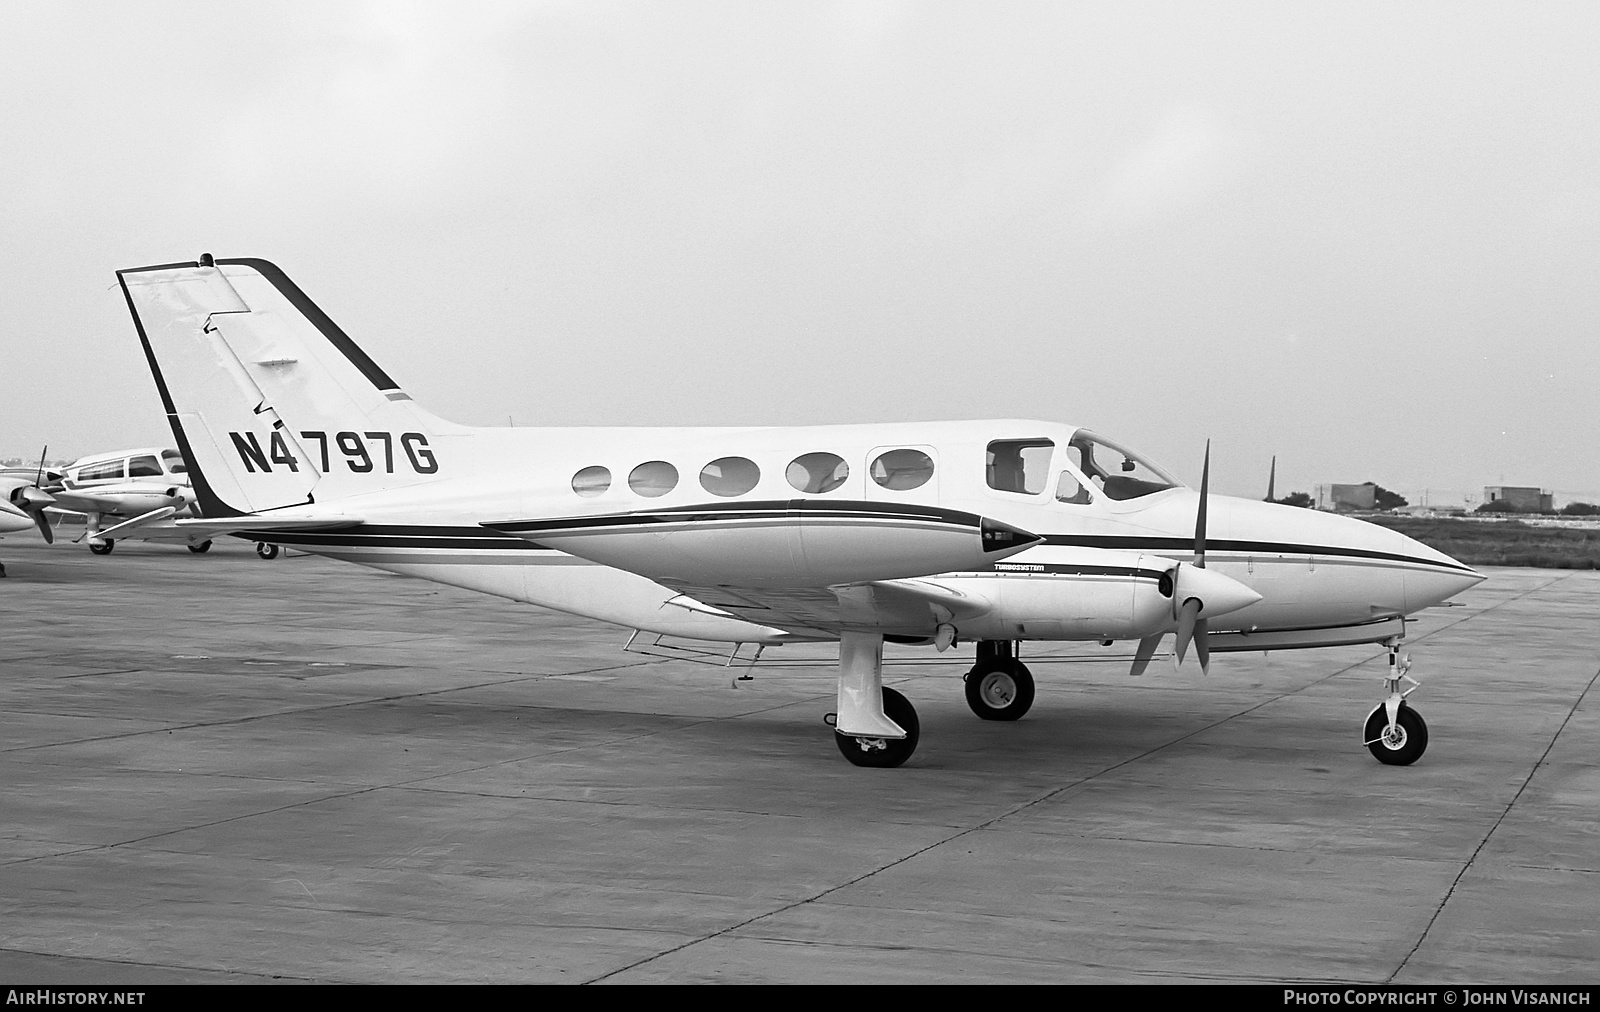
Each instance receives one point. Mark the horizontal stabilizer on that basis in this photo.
(192, 530)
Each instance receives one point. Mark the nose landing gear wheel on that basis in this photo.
(201, 549)
(266, 551)
(1000, 690)
(884, 753)
(1400, 745)
(104, 549)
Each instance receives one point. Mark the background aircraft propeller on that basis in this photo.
(32, 500)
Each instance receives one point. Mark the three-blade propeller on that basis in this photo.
(1190, 587)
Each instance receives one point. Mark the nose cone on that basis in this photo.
(1428, 576)
(1428, 586)
(1370, 569)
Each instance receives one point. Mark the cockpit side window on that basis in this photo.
(1019, 465)
(1070, 489)
(174, 461)
(144, 467)
(1119, 472)
(100, 472)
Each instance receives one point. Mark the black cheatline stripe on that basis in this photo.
(330, 330)
(765, 510)
(831, 506)
(740, 519)
(356, 539)
(1213, 545)
(431, 531)
(210, 503)
(1027, 568)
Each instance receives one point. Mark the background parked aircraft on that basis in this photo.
(121, 485)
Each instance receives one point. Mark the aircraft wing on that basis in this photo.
(896, 607)
(82, 502)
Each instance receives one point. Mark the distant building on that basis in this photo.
(1524, 500)
(1343, 498)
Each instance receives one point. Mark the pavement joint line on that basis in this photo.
(1467, 866)
(1055, 792)
(200, 825)
(146, 963)
(1240, 978)
(1198, 843)
(71, 849)
(1556, 867)
(92, 674)
(298, 710)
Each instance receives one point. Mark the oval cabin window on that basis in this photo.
(591, 481)
(653, 478)
(817, 472)
(728, 476)
(900, 470)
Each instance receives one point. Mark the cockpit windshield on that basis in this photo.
(1117, 471)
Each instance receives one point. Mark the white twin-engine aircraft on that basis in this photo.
(991, 532)
(138, 486)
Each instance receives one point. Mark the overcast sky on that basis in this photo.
(1363, 238)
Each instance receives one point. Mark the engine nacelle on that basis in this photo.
(1060, 592)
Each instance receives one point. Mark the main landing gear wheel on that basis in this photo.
(1000, 689)
(104, 549)
(884, 753)
(1400, 745)
(266, 551)
(201, 549)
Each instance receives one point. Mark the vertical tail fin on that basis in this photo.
(272, 403)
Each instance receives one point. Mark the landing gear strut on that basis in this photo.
(875, 726)
(999, 686)
(1396, 734)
